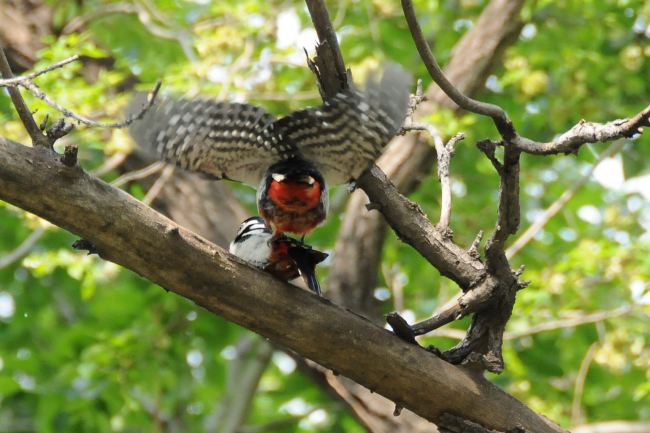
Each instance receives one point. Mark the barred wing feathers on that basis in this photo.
(235, 141)
(225, 140)
(347, 133)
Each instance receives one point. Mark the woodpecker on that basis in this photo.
(277, 254)
(292, 161)
(293, 196)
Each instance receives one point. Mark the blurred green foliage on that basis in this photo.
(87, 346)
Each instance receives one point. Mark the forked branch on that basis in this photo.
(60, 128)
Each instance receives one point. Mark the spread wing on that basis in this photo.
(221, 139)
(235, 141)
(347, 133)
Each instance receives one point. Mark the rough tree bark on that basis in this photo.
(407, 159)
(414, 159)
(124, 231)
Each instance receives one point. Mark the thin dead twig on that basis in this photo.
(558, 204)
(6, 82)
(159, 184)
(598, 316)
(59, 129)
(38, 139)
(110, 164)
(576, 406)
(444, 153)
(23, 248)
(81, 119)
(139, 174)
(439, 77)
(584, 132)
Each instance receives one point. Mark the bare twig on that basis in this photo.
(326, 34)
(78, 22)
(576, 406)
(487, 328)
(42, 96)
(38, 139)
(570, 142)
(558, 204)
(23, 248)
(158, 185)
(444, 153)
(509, 213)
(138, 174)
(110, 164)
(17, 80)
(443, 175)
(451, 260)
(61, 129)
(596, 317)
(585, 132)
(473, 249)
(415, 100)
(508, 217)
(438, 76)
(447, 316)
(614, 427)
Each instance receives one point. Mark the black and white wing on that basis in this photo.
(348, 132)
(235, 141)
(221, 139)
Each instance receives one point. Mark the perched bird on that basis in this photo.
(285, 257)
(291, 161)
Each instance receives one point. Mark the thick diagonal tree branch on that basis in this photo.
(409, 158)
(126, 232)
(483, 290)
(495, 289)
(485, 336)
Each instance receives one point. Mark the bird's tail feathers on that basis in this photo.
(306, 259)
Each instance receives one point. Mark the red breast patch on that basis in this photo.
(295, 197)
